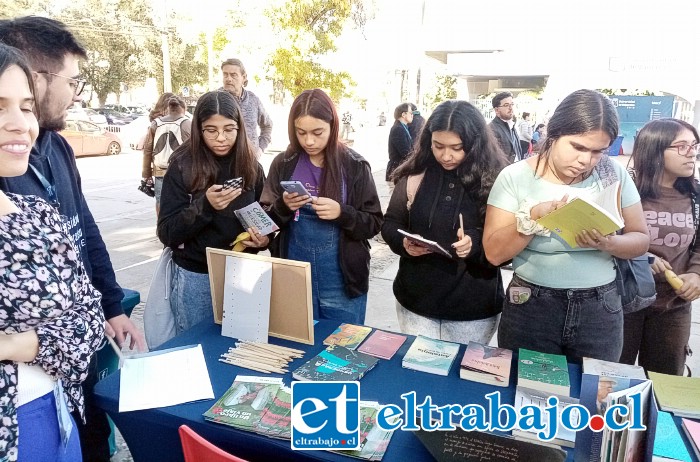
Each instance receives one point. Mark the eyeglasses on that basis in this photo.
(507, 106)
(685, 149)
(78, 85)
(212, 133)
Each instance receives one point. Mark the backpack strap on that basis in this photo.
(412, 184)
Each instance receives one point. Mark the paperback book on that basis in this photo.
(254, 216)
(336, 363)
(528, 397)
(276, 420)
(427, 243)
(382, 344)
(242, 405)
(678, 395)
(373, 440)
(430, 355)
(543, 371)
(486, 364)
(348, 336)
(610, 369)
(602, 212)
(691, 428)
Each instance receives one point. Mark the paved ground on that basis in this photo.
(126, 218)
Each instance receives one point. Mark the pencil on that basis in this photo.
(116, 348)
(461, 224)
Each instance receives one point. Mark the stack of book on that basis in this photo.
(486, 364)
(430, 355)
(336, 363)
(373, 440)
(543, 371)
(678, 395)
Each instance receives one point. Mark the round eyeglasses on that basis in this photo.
(212, 133)
(685, 149)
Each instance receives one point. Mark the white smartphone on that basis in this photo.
(294, 187)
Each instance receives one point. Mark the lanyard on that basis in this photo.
(696, 216)
(410, 139)
(49, 187)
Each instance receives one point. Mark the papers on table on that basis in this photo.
(164, 378)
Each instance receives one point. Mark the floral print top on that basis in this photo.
(44, 287)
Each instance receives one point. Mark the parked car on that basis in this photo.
(87, 139)
(87, 114)
(114, 117)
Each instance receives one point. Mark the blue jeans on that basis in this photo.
(39, 435)
(318, 242)
(190, 298)
(572, 322)
(158, 187)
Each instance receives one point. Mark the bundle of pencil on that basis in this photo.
(261, 357)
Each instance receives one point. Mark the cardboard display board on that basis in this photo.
(291, 307)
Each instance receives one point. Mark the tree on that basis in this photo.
(309, 28)
(444, 90)
(18, 8)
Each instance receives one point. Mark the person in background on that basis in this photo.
(440, 194)
(417, 123)
(254, 114)
(563, 300)
(503, 126)
(197, 212)
(331, 226)
(400, 140)
(53, 54)
(158, 110)
(664, 171)
(537, 135)
(157, 150)
(525, 134)
(382, 119)
(347, 126)
(51, 322)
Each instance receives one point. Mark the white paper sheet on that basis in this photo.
(247, 287)
(164, 378)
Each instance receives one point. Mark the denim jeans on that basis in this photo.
(659, 334)
(480, 330)
(572, 322)
(317, 242)
(158, 187)
(190, 298)
(39, 434)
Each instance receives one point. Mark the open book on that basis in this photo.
(428, 244)
(602, 212)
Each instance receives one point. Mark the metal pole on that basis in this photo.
(165, 47)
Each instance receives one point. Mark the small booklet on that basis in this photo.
(348, 336)
(382, 344)
(243, 404)
(428, 244)
(336, 363)
(486, 364)
(430, 355)
(602, 212)
(254, 216)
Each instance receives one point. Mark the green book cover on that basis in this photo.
(679, 395)
(242, 405)
(374, 440)
(275, 420)
(543, 371)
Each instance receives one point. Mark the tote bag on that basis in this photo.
(158, 318)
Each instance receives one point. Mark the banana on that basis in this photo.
(674, 280)
(238, 243)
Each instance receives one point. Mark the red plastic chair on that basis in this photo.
(197, 449)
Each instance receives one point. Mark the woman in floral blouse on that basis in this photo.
(50, 317)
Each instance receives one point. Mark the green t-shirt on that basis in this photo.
(549, 261)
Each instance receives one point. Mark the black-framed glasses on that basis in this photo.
(685, 149)
(212, 133)
(507, 106)
(78, 85)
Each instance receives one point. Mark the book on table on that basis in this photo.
(336, 363)
(626, 445)
(426, 243)
(603, 368)
(529, 397)
(348, 336)
(382, 344)
(543, 371)
(668, 441)
(430, 355)
(486, 364)
(602, 212)
(692, 431)
(678, 395)
(373, 440)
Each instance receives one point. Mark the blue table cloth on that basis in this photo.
(152, 434)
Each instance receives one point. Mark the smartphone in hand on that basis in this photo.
(233, 183)
(295, 187)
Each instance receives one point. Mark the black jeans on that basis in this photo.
(94, 433)
(659, 335)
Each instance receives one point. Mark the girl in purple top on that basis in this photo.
(331, 226)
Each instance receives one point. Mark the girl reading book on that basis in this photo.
(563, 300)
(664, 166)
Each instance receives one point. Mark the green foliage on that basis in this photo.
(15, 8)
(444, 90)
(309, 29)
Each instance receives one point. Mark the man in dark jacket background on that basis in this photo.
(54, 53)
(400, 140)
(503, 126)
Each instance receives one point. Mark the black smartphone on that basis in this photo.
(233, 183)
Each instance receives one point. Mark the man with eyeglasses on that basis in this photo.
(503, 126)
(53, 54)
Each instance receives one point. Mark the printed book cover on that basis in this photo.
(244, 402)
(678, 395)
(543, 371)
(382, 344)
(427, 243)
(253, 216)
(348, 336)
(529, 397)
(275, 421)
(610, 369)
(602, 212)
(430, 355)
(336, 363)
(692, 431)
(486, 364)
(374, 440)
